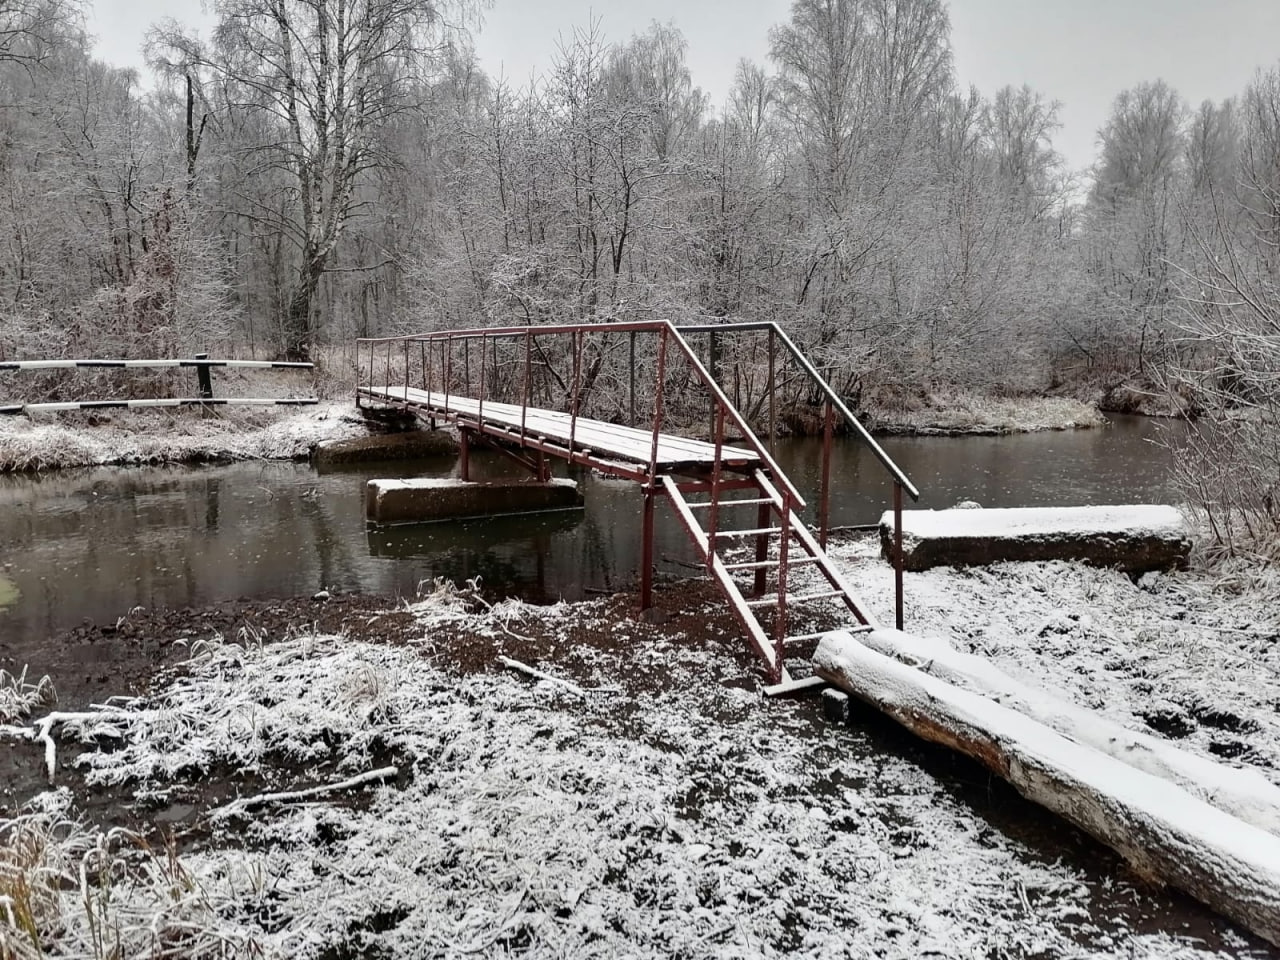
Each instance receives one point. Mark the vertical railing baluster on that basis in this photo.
(824, 497)
(577, 386)
(528, 362)
(773, 419)
(484, 343)
(447, 349)
(713, 362)
(897, 553)
(631, 406)
(716, 469)
(780, 619)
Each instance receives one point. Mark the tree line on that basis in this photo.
(315, 170)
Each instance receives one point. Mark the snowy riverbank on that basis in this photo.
(51, 442)
(655, 804)
(56, 441)
(959, 414)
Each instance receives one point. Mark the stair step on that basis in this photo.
(769, 564)
(748, 533)
(789, 685)
(797, 598)
(701, 504)
(802, 637)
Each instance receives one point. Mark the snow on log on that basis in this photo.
(1136, 537)
(1246, 794)
(1164, 832)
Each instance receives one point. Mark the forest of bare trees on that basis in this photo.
(317, 170)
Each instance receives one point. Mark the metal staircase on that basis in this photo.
(782, 543)
(431, 375)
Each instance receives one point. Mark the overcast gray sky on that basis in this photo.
(1081, 52)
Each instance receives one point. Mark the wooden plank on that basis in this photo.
(64, 406)
(616, 441)
(132, 364)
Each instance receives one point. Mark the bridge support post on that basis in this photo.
(897, 555)
(762, 547)
(824, 507)
(464, 453)
(646, 551)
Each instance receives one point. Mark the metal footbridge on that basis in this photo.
(536, 393)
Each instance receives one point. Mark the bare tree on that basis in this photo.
(30, 30)
(327, 76)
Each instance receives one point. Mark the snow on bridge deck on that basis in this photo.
(606, 440)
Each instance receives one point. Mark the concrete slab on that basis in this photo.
(419, 500)
(402, 445)
(1133, 538)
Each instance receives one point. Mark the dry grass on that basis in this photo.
(960, 413)
(19, 697)
(69, 889)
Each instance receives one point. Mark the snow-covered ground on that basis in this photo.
(47, 442)
(1194, 656)
(666, 809)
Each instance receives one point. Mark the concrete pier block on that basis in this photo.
(1134, 538)
(416, 501)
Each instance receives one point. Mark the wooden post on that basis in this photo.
(203, 377)
(464, 453)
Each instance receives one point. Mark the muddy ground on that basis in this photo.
(145, 651)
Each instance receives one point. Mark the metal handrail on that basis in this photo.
(723, 408)
(651, 326)
(827, 390)
(834, 402)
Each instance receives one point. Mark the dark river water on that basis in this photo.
(90, 545)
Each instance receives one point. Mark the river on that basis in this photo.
(89, 545)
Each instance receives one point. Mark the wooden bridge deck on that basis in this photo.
(605, 441)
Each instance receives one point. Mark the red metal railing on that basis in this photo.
(832, 404)
(400, 371)
(442, 378)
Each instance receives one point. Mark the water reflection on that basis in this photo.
(92, 544)
(513, 550)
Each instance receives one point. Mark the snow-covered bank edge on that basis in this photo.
(955, 414)
(651, 806)
(63, 441)
(59, 441)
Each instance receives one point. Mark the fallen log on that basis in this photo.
(1163, 832)
(1246, 794)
